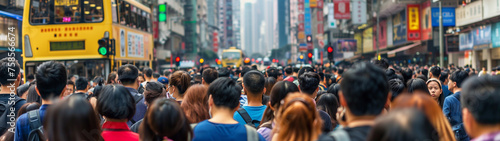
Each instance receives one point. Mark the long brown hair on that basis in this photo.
(298, 119)
(195, 103)
(432, 110)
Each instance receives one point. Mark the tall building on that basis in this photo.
(269, 20)
(236, 23)
(248, 44)
(226, 26)
(283, 27)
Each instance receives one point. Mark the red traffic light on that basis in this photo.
(310, 55)
(274, 60)
(330, 49)
(177, 59)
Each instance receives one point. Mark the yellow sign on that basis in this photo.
(302, 35)
(313, 3)
(65, 2)
(413, 18)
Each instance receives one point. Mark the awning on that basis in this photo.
(393, 52)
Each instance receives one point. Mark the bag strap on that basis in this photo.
(244, 114)
(252, 134)
(34, 119)
(339, 135)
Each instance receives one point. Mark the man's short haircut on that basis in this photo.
(309, 82)
(244, 70)
(443, 77)
(148, 72)
(273, 72)
(304, 70)
(224, 93)
(81, 83)
(166, 73)
(254, 82)
(288, 70)
(209, 75)
(481, 95)
(296, 70)
(435, 71)
(321, 76)
(156, 75)
(365, 89)
(425, 72)
(127, 74)
(459, 77)
(9, 70)
(51, 79)
(382, 63)
(30, 77)
(223, 72)
(115, 102)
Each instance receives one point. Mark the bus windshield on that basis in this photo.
(231, 55)
(66, 11)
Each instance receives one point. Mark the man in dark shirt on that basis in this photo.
(364, 93)
(127, 76)
(8, 91)
(82, 86)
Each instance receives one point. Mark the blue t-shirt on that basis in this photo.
(255, 112)
(23, 127)
(209, 131)
(446, 92)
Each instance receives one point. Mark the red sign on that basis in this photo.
(381, 36)
(310, 46)
(301, 17)
(320, 4)
(319, 15)
(426, 20)
(301, 26)
(413, 22)
(341, 9)
(215, 41)
(155, 30)
(320, 28)
(300, 6)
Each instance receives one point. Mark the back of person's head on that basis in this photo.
(50, 80)
(382, 63)
(33, 95)
(277, 93)
(298, 119)
(270, 81)
(77, 112)
(127, 74)
(30, 77)
(443, 77)
(273, 72)
(165, 119)
(365, 89)
(334, 89)
(309, 82)
(431, 109)
(304, 70)
(99, 80)
(148, 72)
(417, 85)
(435, 71)
(81, 83)
(288, 70)
(423, 77)
(209, 75)
(115, 102)
(254, 82)
(9, 70)
(224, 93)
(181, 81)
(111, 78)
(391, 74)
(295, 70)
(22, 89)
(396, 86)
(244, 70)
(403, 125)
(156, 75)
(407, 75)
(425, 72)
(329, 103)
(223, 72)
(480, 96)
(166, 73)
(195, 103)
(459, 77)
(153, 91)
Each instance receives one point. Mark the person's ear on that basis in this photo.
(210, 101)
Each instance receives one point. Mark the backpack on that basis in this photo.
(460, 133)
(5, 110)
(252, 134)
(248, 120)
(340, 135)
(36, 127)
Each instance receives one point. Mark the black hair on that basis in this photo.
(148, 72)
(33, 95)
(417, 85)
(115, 102)
(273, 72)
(209, 75)
(309, 82)
(304, 70)
(407, 75)
(423, 77)
(77, 112)
(22, 89)
(391, 74)
(296, 70)
(99, 80)
(127, 74)
(270, 81)
(334, 89)
(254, 82)
(459, 77)
(329, 103)
(435, 71)
(81, 83)
(223, 72)
(288, 70)
(397, 86)
(244, 70)
(9, 70)
(382, 63)
(166, 73)
(30, 77)
(50, 79)
(153, 90)
(156, 75)
(443, 77)
(165, 118)
(365, 89)
(480, 95)
(425, 72)
(321, 76)
(278, 93)
(407, 124)
(224, 93)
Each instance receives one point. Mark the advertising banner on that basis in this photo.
(359, 38)
(135, 45)
(368, 40)
(346, 45)
(399, 28)
(465, 41)
(381, 36)
(495, 35)
(359, 11)
(413, 14)
(482, 37)
(448, 16)
(426, 21)
(342, 10)
(389, 31)
(307, 17)
(331, 19)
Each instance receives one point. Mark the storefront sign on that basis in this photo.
(465, 41)
(469, 13)
(389, 31)
(399, 28)
(495, 35)
(346, 45)
(342, 10)
(368, 40)
(413, 21)
(359, 11)
(359, 38)
(452, 43)
(448, 16)
(491, 8)
(482, 37)
(381, 36)
(426, 21)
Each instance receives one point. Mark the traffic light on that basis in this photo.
(177, 61)
(310, 56)
(330, 53)
(103, 46)
(162, 12)
(202, 61)
(217, 61)
(309, 39)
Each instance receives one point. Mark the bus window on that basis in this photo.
(67, 11)
(148, 17)
(114, 11)
(39, 11)
(133, 19)
(93, 10)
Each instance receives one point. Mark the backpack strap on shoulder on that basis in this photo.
(252, 134)
(339, 135)
(35, 123)
(244, 114)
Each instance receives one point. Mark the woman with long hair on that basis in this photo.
(112, 77)
(417, 84)
(195, 103)
(165, 121)
(278, 93)
(179, 82)
(329, 104)
(297, 119)
(431, 109)
(436, 91)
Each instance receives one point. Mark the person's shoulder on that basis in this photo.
(326, 137)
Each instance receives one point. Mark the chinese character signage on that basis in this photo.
(399, 28)
(359, 11)
(307, 17)
(482, 37)
(426, 21)
(313, 3)
(448, 16)
(413, 21)
(342, 10)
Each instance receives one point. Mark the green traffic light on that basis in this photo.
(103, 51)
(162, 8)
(162, 17)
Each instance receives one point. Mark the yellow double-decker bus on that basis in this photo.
(69, 30)
(232, 57)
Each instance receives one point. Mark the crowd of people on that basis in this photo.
(372, 101)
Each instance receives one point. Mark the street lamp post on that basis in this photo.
(441, 50)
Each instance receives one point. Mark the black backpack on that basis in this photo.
(248, 120)
(36, 127)
(5, 110)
